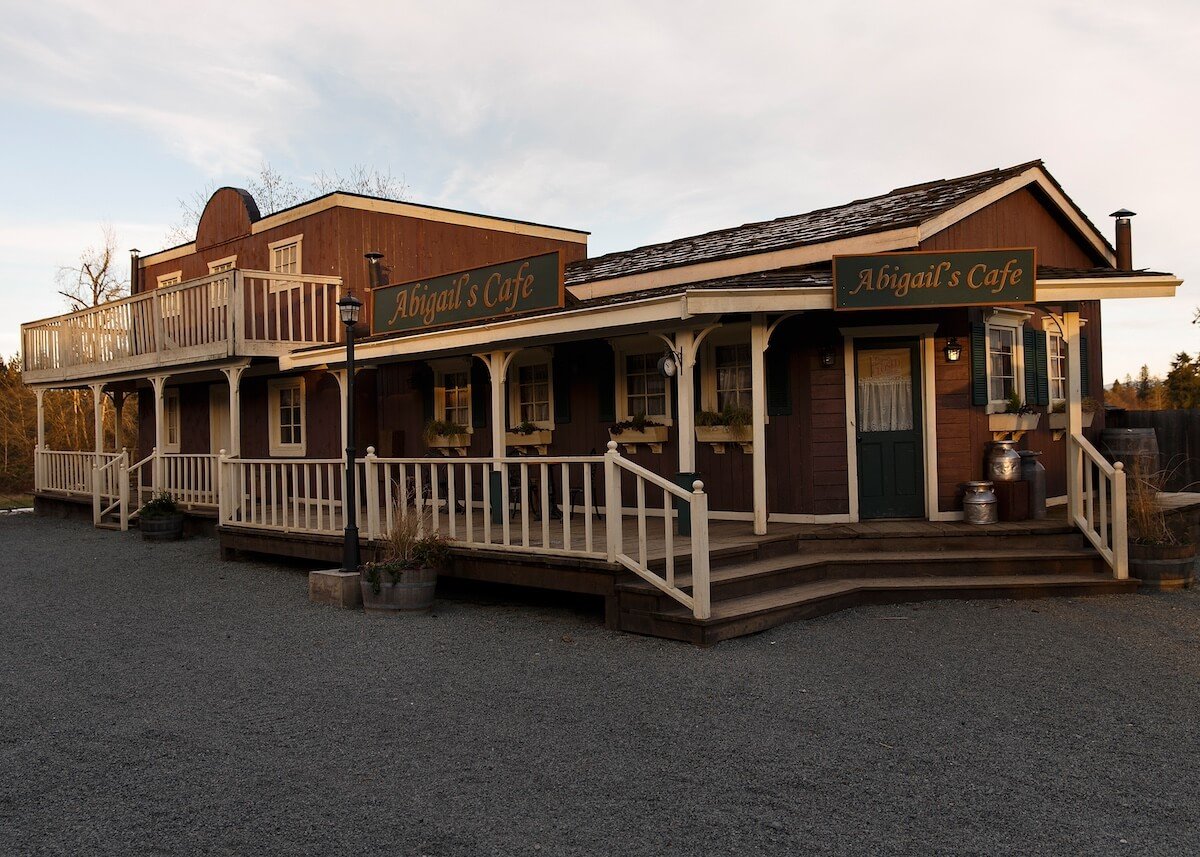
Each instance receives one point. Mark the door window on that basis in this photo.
(885, 393)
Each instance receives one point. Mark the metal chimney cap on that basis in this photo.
(372, 257)
(1123, 213)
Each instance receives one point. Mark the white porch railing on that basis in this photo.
(190, 478)
(1097, 503)
(111, 492)
(231, 313)
(67, 471)
(532, 505)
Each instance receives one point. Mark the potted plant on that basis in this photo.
(529, 435)
(639, 429)
(733, 424)
(1058, 413)
(1017, 418)
(404, 577)
(1162, 554)
(445, 436)
(160, 519)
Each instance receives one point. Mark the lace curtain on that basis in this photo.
(885, 403)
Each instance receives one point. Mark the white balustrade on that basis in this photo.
(1097, 503)
(67, 472)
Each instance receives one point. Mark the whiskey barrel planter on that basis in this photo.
(1163, 566)
(161, 528)
(412, 591)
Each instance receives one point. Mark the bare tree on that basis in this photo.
(273, 191)
(93, 280)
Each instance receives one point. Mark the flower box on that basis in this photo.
(651, 436)
(721, 436)
(1058, 421)
(446, 443)
(539, 439)
(1012, 425)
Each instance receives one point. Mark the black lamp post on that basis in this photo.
(348, 308)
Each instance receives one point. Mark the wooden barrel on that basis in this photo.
(1163, 566)
(1133, 447)
(161, 528)
(412, 593)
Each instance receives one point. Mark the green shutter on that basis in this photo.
(1084, 379)
(606, 387)
(422, 379)
(481, 394)
(779, 387)
(979, 384)
(563, 372)
(1043, 369)
(697, 389)
(1029, 358)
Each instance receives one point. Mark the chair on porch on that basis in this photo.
(575, 495)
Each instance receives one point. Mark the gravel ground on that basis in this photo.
(154, 700)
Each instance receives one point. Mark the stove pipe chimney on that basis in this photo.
(133, 271)
(1124, 239)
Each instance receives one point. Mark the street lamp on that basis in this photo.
(348, 308)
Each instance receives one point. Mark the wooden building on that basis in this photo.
(646, 425)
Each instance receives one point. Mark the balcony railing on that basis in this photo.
(228, 314)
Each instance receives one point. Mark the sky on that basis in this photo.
(639, 121)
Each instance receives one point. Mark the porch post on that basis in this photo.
(118, 400)
(1070, 333)
(98, 418)
(38, 476)
(497, 363)
(159, 383)
(685, 419)
(758, 398)
(233, 376)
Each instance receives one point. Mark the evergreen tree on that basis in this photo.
(1183, 382)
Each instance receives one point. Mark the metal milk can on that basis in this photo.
(1033, 472)
(1003, 462)
(979, 503)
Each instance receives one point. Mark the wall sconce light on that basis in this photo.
(953, 350)
(828, 356)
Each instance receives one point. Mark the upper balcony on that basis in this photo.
(233, 313)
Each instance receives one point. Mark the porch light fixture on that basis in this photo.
(828, 356)
(953, 350)
(349, 308)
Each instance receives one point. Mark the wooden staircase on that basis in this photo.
(759, 586)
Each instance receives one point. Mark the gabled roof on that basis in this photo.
(903, 207)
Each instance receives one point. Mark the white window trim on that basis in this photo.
(1012, 320)
(623, 348)
(440, 369)
(284, 285)
(231, 261)
(529, 357)
(171, 395)
(286, 450)
(738, 334)
(1050, 328)
(163, 279)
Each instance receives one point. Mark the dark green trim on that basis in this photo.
(979, 382)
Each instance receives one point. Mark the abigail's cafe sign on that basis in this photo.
(492, 292)
(934, 278)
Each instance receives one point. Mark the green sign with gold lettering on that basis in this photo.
(934, 278)
(492, 292)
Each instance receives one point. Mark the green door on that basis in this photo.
(891, 450)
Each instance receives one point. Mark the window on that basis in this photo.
(733, 376)
(285, 255)
(533, 393)
(645, 386)
(218, 290)
(171, 429)
(286, 403)
(456, 397)
(226, 264)
(1002, 363)
(1056, 366)
(172, 279)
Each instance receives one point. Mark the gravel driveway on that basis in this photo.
(154, 700)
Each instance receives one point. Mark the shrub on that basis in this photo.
(407, 545)
(161, 505)
(638, 422)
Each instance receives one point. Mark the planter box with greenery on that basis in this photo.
(529, 436)
(160, 520)
(446, 437)
(1017, 419)
(639, 430)
(1058, 415)
(730, 426)
(404, 578)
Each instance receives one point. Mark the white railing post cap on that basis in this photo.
(698, 487)
(612, 446)
(370, 452)
(1120, 465)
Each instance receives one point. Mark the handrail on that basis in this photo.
(1097, 502)
(145, 295)
(103, 476)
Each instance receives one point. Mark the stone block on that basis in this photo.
(334, 587)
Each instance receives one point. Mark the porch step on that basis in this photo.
(732, 581)
(108, 525)
(749, 614)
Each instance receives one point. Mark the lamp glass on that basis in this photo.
(953, 350)
(348, 308)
